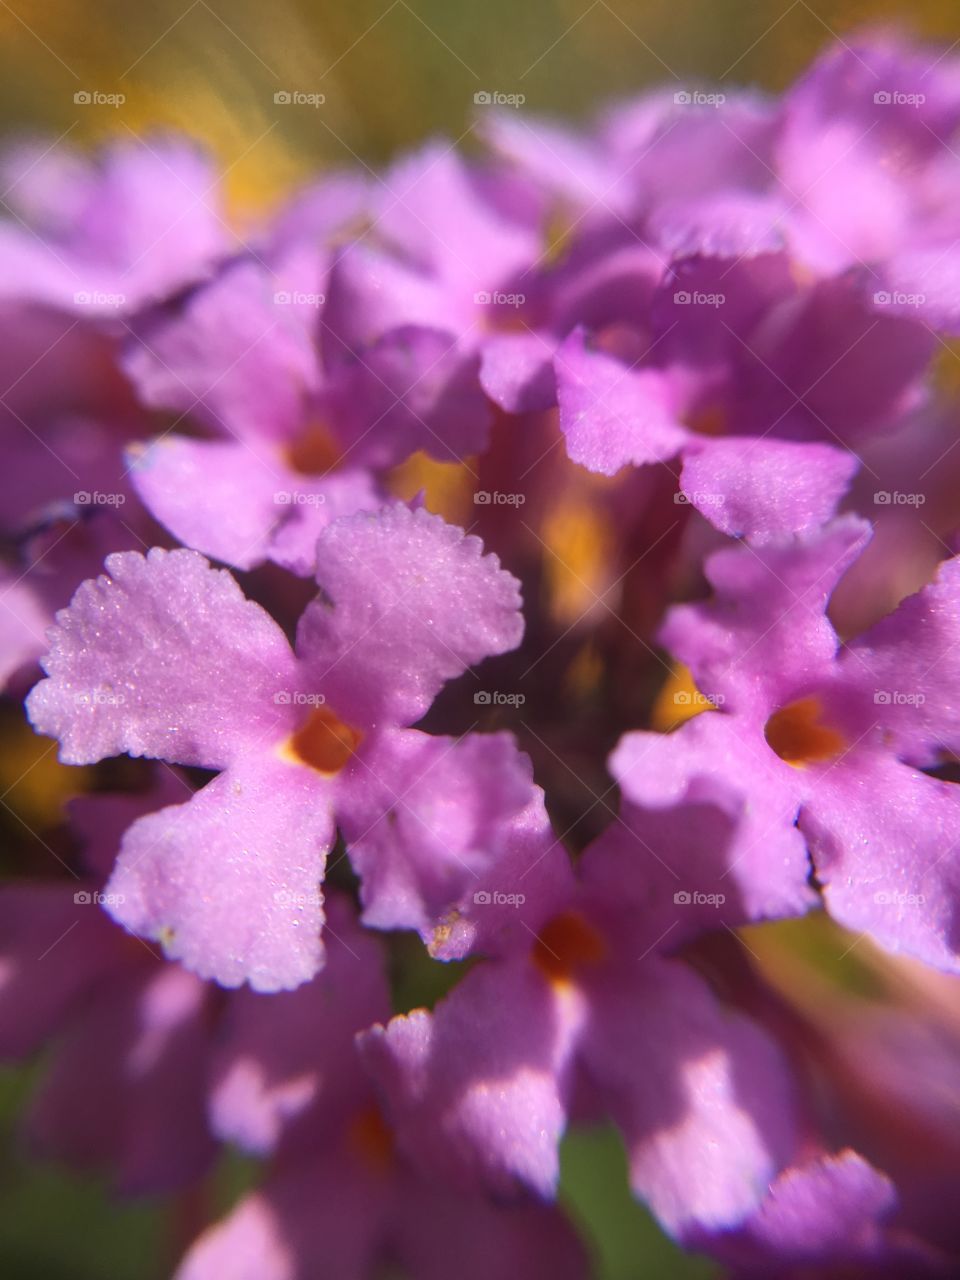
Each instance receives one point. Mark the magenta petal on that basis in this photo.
(907, 665)
(56, 945)
(762, 488)
(708, 833)
(477, 1090)
(613, 416)
(162, 656)
(517, 373)
(766, 631)
(236, 355)
(137, 1052)
(425, 817)
(708, 1120)
(408, 603)
(229, 883)
(284, 1056)
(318, 1219)
(243, 506)
(827, 1209)
(890, 869)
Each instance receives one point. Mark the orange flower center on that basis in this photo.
(323, 742)
(565, 945)
(799, 736)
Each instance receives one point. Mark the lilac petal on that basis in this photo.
(413, 602)
(905, 666)
(241, 505)
(137, 1053)
(517, 373)
(425, 818)
(435, 213)
(708, 833)
(138, 223)
(54, 949)
(766, 632)
(235, 355)
(837, 366)
(922, 285)
(162, 656)
(283, 1056)
(478, 1089)
(840, 130)
(370, 293)
(560, 160)
(762, 488)
(531, 881)
(229, 883)
(828, 1209)
(709, 1120)
(23, 623)
(414, 388)
(613, 416)
(890, 869)
(442, 1234)
(724, 225)
(323, 1218)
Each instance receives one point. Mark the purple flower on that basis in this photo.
(101, 238)
(124, 1089)
(323, 369)
(831, 739)
(340, 1198)
(554, 1028)
(165, 658)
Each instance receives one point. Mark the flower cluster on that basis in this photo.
(550, 555)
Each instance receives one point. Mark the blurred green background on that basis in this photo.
(392, 72)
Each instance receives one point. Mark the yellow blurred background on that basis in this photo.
(391, 71)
